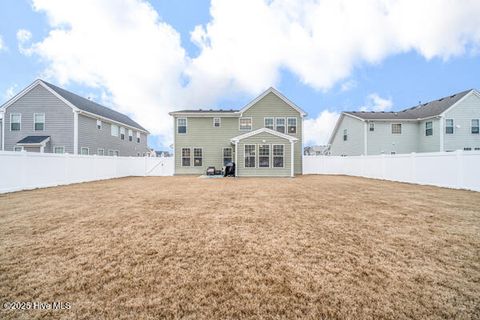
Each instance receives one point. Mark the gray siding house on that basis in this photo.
(46, 118)
(447, 124)
(263, 139)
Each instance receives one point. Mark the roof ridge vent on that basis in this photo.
(452, 96)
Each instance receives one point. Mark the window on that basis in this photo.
(371, 126)
(59, 150)
(138, 137)
(122, 133)
(185, 157)
(197, 157)
(130, 135)
(292, 125)
(182, 125)
(278, 155)
(249, 156)
(245, 123)
(138, 154)
(467, 149)
(110, 153)
(280, 124)
(475, 126)
(477, 149)
(100, 152)
(15, 121)
(396, 128)
(449, 126)
(114, 130)
(17, 148)
(227, 156)
(116, 153)
(264, 156)
(84, 151)
(393, 152)
(99, 124)
(428, 128)
(39, 121)
(216, 122)
(268, 123)
(345, 135)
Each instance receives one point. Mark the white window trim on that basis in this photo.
(426, 129)
(11, 122)
(296, 125)
(284, 124)
(471, 125)
(345, 134)
(181, 157)
(269, 156)
(186, 125)
(251, 124)
(88, 151)
(130, 135)
(63, 149)
(99, 123)
(116, 131)
(21, 147)
(219, 122)
(370, 126)
(122, 131)
(223, 154)
(98, 153)
(244, 156)
(44, 120)
(273, 122)
(110, 151)
(453, 126)
(391, 128)
(283, 156)
(193, 155)
(115, 153)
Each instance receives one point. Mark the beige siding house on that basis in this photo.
(447, 124)
(263, 139)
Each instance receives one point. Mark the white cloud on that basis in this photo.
(2, 44)
(125, 49)
(348, 85)
(23, 37)
(319, 129)
(10, 92)
(377, 103)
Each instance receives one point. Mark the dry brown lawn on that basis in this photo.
(313, 247)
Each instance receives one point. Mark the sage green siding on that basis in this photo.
(202, 134)
(462, 115)
(271, 171)
(354, 145)
(382, 140)
(428, 143)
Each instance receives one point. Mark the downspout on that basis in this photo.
(75, 132)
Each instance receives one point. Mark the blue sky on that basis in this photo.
(202, 56)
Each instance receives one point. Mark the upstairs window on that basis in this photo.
(292, 125)
(39, 121)
(197, 157)
(371, 126)
(182, 125)
(264, 156)
(475, 125)
(278, 155)
(249, 156)
(216, 122)
(99, 124)
(15, 121)
(345, 135)
(245, 124)
(130, 135)
(396, 128)
(122, 133)
(280, 124)
(428, 128)
(268, 123)
(114, 130)
(185, 157)
(227, 156)
(138, 137)
(449, 126)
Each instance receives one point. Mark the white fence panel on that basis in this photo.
(163, 166)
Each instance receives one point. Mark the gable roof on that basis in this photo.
(425, 110)
(261, 130)
(278, 94)
(77, 102)
(33, 140)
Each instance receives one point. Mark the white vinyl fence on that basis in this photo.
(28, 170)
(459, 170)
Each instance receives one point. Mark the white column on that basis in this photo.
(75, 132)
(365, 141)
(292, 169)
(2, 118)
(236, 158)
(442, 132)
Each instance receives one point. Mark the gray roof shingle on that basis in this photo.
(425, 110)
(33, 139)
(205, 111)
(93, 107)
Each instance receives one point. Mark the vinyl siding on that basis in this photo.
(1, 123)
(462, 114)
(383, 141)
(258, 140)
(91, 137)
(58, 119)
(354, 145)
(429, 143)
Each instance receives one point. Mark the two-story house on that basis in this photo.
(46, 118)
(263, 139)
(447, 124)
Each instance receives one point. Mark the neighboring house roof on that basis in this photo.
(261, 130)
(77, 102)
(425, 110)
(34, 140)
(239, 112)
